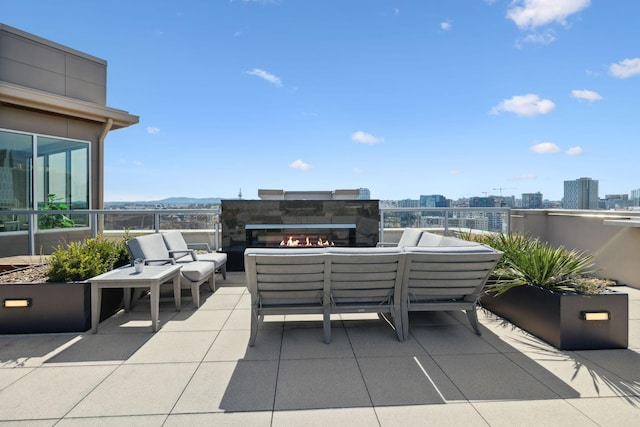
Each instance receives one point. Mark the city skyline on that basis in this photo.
(461, 98)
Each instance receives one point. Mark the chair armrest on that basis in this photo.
(166, 260)
(182, 251)
(199, 246)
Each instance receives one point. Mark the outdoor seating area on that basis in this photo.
(198, 369)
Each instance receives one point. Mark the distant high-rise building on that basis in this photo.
(617, 201)
(408, 203)
(433, 201)
(635, 197)
(482, 202)
(364, 194)
(532, 200)
(581, 193)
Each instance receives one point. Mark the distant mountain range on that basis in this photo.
(171, 201)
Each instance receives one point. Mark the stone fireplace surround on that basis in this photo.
(316, 216)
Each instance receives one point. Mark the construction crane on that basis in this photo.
(502, 188)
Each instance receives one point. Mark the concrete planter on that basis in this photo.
(566, 321)
(52, 307)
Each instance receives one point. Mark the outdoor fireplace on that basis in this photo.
(267, 223)
(300, 235)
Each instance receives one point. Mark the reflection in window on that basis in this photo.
(60, 173)
(16, 152)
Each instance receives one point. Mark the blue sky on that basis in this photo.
(404, 97)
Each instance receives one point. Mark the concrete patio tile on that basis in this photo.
(199, 320)
(33, 350)
(320, 384)
(491, 377)
(634, 334)
(221, 301)
(101, 349)
(436, 318)
(634, 309)
(351, 417)
(534, 413)
(447, 415)
(30, 423)
(513, 338)
(137, 420)
(624, 363)
(175, 347)
(133, 322)
(10, 375)
(240, 319)
(308, 343)
(234, 345)
(450, 339)
(225, 288)
(381, 341)
(404, 380)
(230, 387)
(228, 419)
(568, 375)
(140, 389)
(50, 392)
(610, 411)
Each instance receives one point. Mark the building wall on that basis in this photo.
(615, 247)
(34, 62)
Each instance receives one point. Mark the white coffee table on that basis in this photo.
(152, 276)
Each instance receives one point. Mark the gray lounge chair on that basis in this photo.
(186, 252)
(151, 248)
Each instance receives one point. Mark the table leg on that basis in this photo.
(177, 296)
(96, 297)
(127, 299)
(155, 305)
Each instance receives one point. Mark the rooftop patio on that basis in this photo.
(198, 370)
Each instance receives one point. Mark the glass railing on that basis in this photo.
(93, 221)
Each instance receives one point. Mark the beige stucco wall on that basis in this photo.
(616, 248)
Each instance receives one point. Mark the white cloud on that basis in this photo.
(358, 170)
(526, 105)
(575, 151)
(625, 68)
(445, 25)
(266, 76)
(544, 38)
(299, 164)
(455, 172)
(529, 14)
(137, 163)
(545, 148)
(365, 138)
(152, 131)
(587, 95)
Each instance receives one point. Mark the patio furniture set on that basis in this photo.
(423, 272)
(166, 257)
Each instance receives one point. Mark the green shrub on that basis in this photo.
(81, 261)
(529, 261)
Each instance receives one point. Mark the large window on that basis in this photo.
(60, 173)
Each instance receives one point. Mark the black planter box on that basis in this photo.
(562, 319)
(53, 307)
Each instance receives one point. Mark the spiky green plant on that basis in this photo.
(529, 261)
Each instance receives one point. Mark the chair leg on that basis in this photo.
(224, 271)
(212, 282)
(326, 325)
(405, 322)
(255, 321)
(472, 315)
(195, 293)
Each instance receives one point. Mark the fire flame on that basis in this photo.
(306, 242)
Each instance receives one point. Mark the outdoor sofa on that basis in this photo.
(432, 272)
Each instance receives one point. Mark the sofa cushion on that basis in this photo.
(149, 246)
(195, 271)
(470, 248)
(410, 237)
(175, 242)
